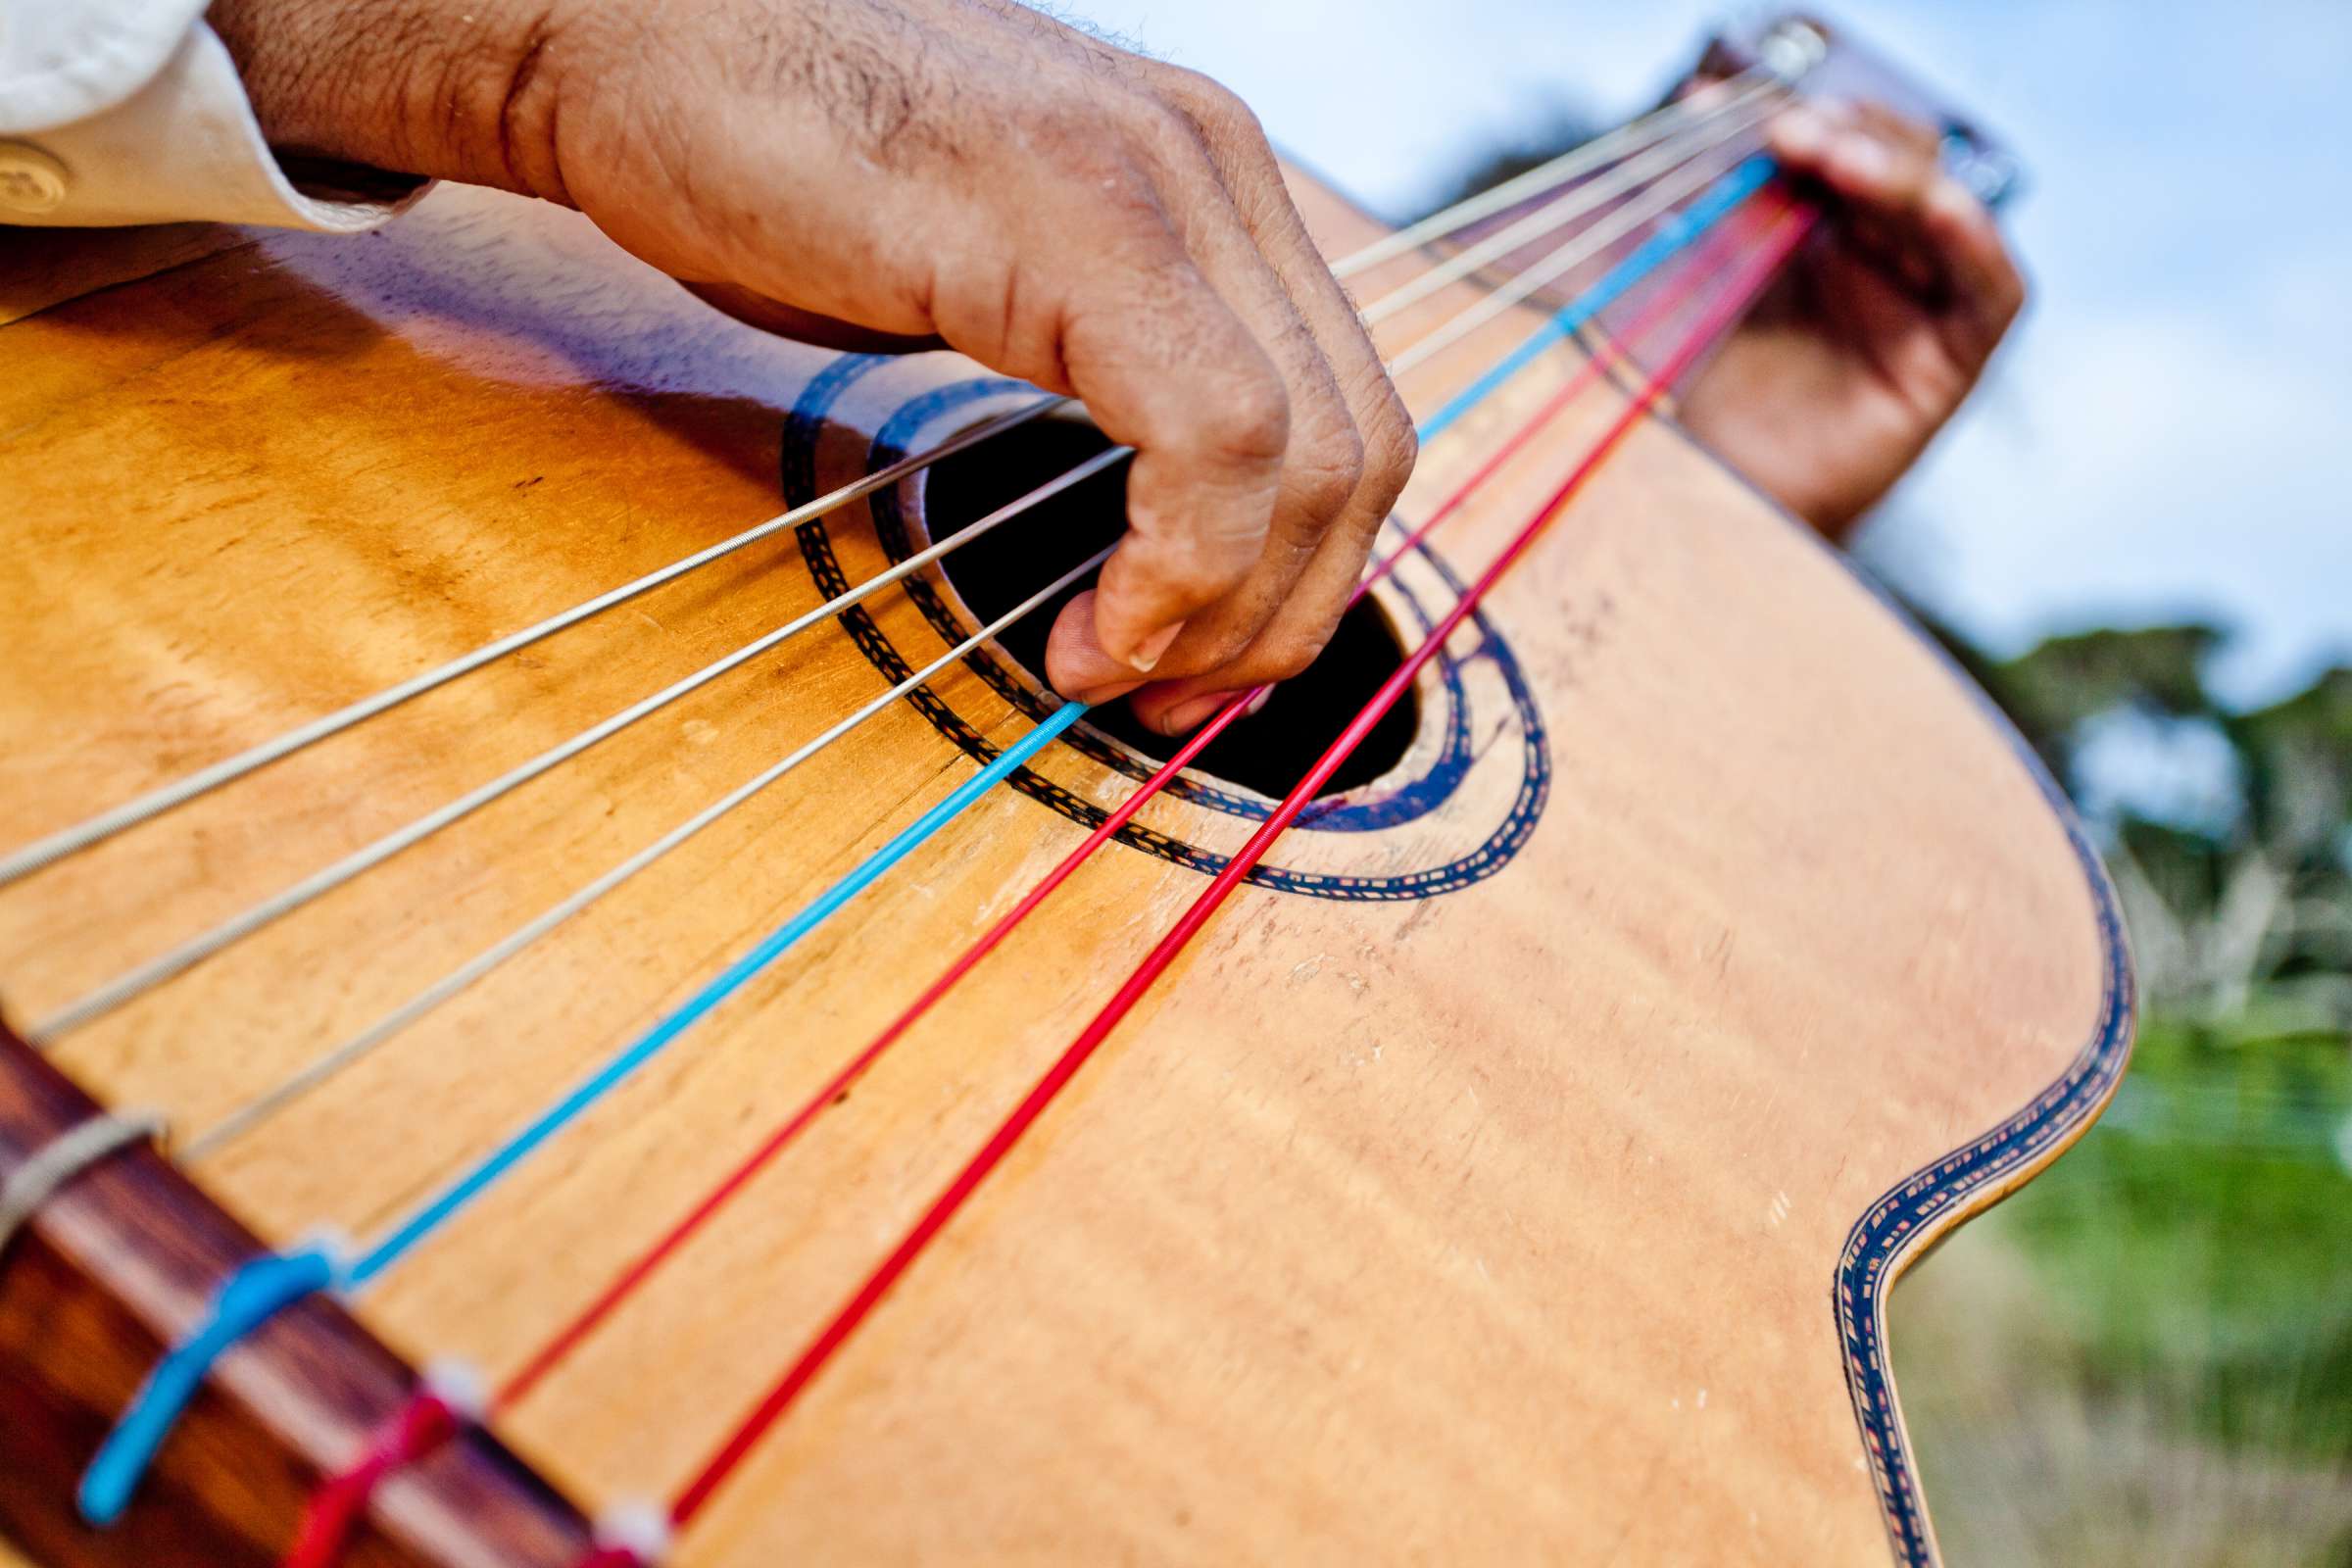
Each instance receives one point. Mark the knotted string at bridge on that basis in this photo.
(250, 1297)
(266, 1286)
(438, 1411)
(1725, 197)
(51, 1168)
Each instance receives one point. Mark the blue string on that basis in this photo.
(1720, 198)
(267, 1285)
(248, 1299)
(728, 981)
(1672, 235)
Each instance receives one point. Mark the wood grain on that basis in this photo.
(119, 1266)
(1478, 1227)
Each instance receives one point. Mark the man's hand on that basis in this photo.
(964, 171)
(1839, 380)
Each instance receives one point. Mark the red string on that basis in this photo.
(1679, 290)
(1789, 229)
(422, 1425)
(338, 1502)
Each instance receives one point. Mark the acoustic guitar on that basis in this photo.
(576, 999)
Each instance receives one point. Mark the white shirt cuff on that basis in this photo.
(183, 146)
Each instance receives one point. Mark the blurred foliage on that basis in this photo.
(2146, 1356)
(2208, 1226)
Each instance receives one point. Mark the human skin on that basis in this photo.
(969, 172)
(1836, 382)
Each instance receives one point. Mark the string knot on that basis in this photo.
(254, 1293)
(442, 1406)
(48, 1170)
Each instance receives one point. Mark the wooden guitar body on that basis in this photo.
(1516, 1172)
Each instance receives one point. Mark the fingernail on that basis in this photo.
(1148, 653)
(1258, 701)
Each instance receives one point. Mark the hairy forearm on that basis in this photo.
(409, 85)
(935, 171)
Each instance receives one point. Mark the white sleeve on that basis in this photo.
(131, 112)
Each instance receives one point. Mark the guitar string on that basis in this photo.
(253, 1113)
(1730, 187)
(739, 1443)
(267, 1283)
(128, 985)
(52, 847)
(1661, 197)
(444, 1205)
(324, 1068)
(142, 978)
(55, 847)
(1705, 266)
(1709, 132)
(428, 1421)
(47, 1170)
(1565, 169)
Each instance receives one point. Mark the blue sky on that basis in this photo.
(2168, 432)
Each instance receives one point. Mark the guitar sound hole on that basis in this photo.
(1269, 752)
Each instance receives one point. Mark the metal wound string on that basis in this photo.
(142, 978)
(1681, 230)
(1600, 153)
(48, 850)
(1702, 269)
(436, 1211)
(732, 1452)
(145, 977)
(267, 1104)
(494, 1166)
(1789, 55)
(1711, 131)
(1732, 185)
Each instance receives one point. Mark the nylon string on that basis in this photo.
(732, 1452)
(1702, 269)
(509, 1155)
(270, 1282)
(52, 847)
(336, 1502)
(128, 986)
(1679, 231)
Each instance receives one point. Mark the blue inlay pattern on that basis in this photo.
(1932, 1199)
(805, 425)
(898, 436)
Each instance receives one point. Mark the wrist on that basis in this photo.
(451, 89)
